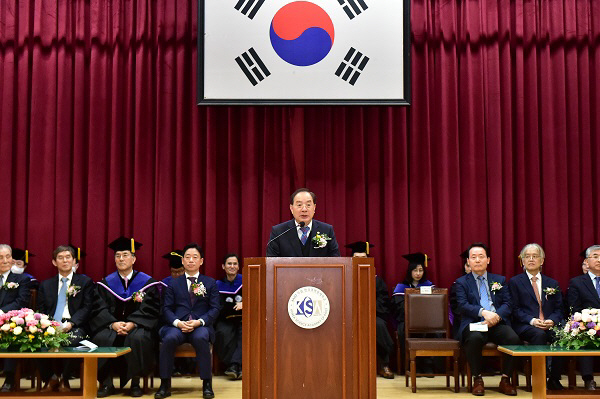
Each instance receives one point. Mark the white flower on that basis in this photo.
(591, 332)
(577, 316)
(50, 330)
(575, 332)
(45, 323)
(567, 328)
(44, 317)
(33, 329)
(585, 311)
(593, 311)
(18, 330)
(29, 317)
(5, 327)
(594, 318)
(586, 318)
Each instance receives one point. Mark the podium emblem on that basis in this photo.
(308, 307)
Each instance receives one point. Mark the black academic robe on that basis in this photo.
(228, 328)
(385, 344)
(118, 305)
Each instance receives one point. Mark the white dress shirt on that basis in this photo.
(300, 231)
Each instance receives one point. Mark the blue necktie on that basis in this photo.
(304, 237)
(483, 294)
(62, 300)
(598, 285)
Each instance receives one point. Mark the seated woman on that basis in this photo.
(416, 276)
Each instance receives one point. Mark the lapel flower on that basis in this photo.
(199, 289)
(496, 286)
(10, 286)
(139, 296)
(73, 290)
(320, 240)
(550, 291)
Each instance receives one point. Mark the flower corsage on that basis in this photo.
(496, 286)
(320, 240)
(73, 290)
(138, 296)
(10, 286)
(199, 289)
(550, 291)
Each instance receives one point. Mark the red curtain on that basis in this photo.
(100, 136)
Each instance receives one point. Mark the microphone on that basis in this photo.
(301, 224)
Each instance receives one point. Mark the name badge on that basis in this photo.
(426, 290)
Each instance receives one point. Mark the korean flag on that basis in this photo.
(286, 51)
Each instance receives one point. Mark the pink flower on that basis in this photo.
(32, 323)
(18, 320)
(45, 323)
(37, 316)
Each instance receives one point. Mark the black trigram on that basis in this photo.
(252, 66)
(250, 7)
(351, 67)
(353, 7)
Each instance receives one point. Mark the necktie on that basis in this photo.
(191, 290)
(597, 285)
(62, 300)
(537, 296)
(483, 294)
(126, 281)
(304, 237)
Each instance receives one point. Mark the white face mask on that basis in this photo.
(74, 268)
(17, 270)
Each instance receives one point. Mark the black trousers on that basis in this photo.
(474, 341)
(537, 336)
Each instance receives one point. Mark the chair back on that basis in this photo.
(426, 313)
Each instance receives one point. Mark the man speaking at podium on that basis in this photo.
(303, 236)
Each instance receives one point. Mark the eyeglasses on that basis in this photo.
(595, 257)
(534, 257)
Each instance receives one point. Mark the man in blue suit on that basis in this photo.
(537, 306)
(583, 293)
(302, 236)
(191, 306)
(483, 298)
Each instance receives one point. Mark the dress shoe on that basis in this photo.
(554, 385)
(239, 373)
(51, 385)
(135, 391)
(8, 386)
(506, 387)
(164, 390)
(207, 391)
(64, 385)
(385, 372)
(478, 388)
(231, 372)
(590, 385)
(105, 390)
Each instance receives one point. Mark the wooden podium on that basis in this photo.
(335, 360)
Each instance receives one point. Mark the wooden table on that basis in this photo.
(90, 369)
(538, 355)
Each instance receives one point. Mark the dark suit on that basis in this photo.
(385, 344)
(582, 294)
(14, 299)
(179, 306)
(525, 307)
(289, 244)
(79, 306)
(468, 306)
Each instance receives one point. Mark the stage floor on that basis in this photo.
(427, 388)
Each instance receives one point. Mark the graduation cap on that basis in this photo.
(125, 244)
(582, 253)
(360, 246)
(464, 254)
(21, 254)
(174, 258)
(78, 252)
(418, 257)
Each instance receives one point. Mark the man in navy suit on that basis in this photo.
(584, 292)
(67, 297)
(191, 306)
(12, 297)
(483, 298)
(303, 236)
(537, 306)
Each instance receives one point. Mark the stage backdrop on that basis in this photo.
(100, 135)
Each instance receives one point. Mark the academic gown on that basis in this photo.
(113, 303)
(385, 344)
(228, 328)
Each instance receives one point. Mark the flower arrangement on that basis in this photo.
(320, 240)
(25, 330)
(580, 331)
(10, 286)
(199, 289)
(496, 286)
(139, 296)
(73, 290)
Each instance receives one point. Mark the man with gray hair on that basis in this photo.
(584, 292)
(12, 297)
(537, 306)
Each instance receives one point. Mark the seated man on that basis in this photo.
(537, 306)
(125, 313)
(228, 328)
(13, 296)
(584, 292)
(483, 297)
(191, 306)
(67, 297)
